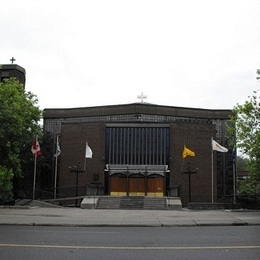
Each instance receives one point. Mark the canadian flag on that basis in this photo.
(36, 150)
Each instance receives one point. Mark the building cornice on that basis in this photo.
(136, 108)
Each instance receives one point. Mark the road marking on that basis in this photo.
(133, 247)
(77, 231)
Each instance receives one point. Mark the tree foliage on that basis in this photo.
(6, 185)
(242, 163)
(258, 74)
(246, 130)
(19, 120)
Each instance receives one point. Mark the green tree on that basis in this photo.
(6, 185)
(19, 121)
(258, 74)
(242, 163)
(246, 130)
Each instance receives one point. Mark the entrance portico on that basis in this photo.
(137, 180)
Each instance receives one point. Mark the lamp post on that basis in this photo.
(76, 169)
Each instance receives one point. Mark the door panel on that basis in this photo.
(118, 185)
(155, 186)
(136, 186)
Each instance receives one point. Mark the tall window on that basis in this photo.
(137, 145)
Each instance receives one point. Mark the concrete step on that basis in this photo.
(174, 203)
(132, 202)
(155, 203)
(108, 202)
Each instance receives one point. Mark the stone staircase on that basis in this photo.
(155, 203)
(108, 202)
(132, 202)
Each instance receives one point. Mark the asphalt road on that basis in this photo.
(47, 242)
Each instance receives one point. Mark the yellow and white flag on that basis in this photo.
(217, 147)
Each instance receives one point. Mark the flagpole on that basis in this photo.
(55, 178)
(212, 173)
(56, 168)
(34, 177)
(182, 164)
(234, 173)
(84, 168)
(34, 171)
(84, 164)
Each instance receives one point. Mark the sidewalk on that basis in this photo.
(91, 217)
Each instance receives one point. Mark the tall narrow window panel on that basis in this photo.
(137, 145)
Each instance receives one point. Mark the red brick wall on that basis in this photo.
(198, 139)
(73, 145)
(195, 137)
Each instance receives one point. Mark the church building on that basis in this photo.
(137, 150)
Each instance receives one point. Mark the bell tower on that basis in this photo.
(12, 71)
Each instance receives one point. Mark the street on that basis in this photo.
(50, 242)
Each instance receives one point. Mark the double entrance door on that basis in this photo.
(136, 185)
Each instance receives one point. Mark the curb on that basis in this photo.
(131, 225)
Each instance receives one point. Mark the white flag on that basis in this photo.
(58, 150)
(88, 151)
(218, 147)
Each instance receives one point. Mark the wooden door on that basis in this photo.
(118, 185)
(155, 187)
(137, 186)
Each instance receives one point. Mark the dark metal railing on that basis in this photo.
(243, 201)
(73, 193)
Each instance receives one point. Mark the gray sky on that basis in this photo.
(179, 53)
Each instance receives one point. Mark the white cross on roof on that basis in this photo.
(142, 97)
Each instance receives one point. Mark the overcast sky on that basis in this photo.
(81, 53)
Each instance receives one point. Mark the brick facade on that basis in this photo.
(73, 145)
(191, 127)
